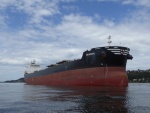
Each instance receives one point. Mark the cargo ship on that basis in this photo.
(100, 66)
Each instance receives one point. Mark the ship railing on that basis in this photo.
(62, 62)
(52, 65)
(59, 63)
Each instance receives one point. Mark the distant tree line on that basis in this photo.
(139, 76)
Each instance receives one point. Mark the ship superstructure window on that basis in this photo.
(90, 58)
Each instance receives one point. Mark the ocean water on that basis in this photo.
(22, 98)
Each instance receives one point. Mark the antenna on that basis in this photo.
(33, 61)
(109, 40)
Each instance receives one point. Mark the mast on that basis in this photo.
(109, 40)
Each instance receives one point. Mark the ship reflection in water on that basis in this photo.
(78, 99)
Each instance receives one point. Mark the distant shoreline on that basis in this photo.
(20, 80)
(139, 76)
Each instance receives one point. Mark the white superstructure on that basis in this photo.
(32, 67)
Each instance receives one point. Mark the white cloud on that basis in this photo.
(36, 9)
(3, 22)
(5, 3)
(145, 3)
(137, 2)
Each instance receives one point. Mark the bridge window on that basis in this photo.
(90, 58)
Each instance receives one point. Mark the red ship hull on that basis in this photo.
(96, 76)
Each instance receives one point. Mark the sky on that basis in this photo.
(53, 30)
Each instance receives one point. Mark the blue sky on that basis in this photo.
(53, 30)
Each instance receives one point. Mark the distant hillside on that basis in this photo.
(15, 81)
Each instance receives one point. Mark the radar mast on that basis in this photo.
(109, 40)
